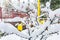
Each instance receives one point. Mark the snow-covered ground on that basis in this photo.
(15, 37)
(54, 37)
(12, 37)
(16, 19)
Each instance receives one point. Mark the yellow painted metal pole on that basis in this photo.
(38, 7)
(39, 12)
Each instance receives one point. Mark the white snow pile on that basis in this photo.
(12, 37)
(8, 20)
(25, 32)
(7, 28)
(57, 12)
(16, 19)
(54, 37)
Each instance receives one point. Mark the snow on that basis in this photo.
(54, 28)
(56, 20)
(12, 37)
(15, 37)
(6, 27)
(54, 37)
(9, 29)
(15, 4)
(25, 32)
(16, 19)
(22, 6)
(57, 12)
(48, 4)
(39, 30)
